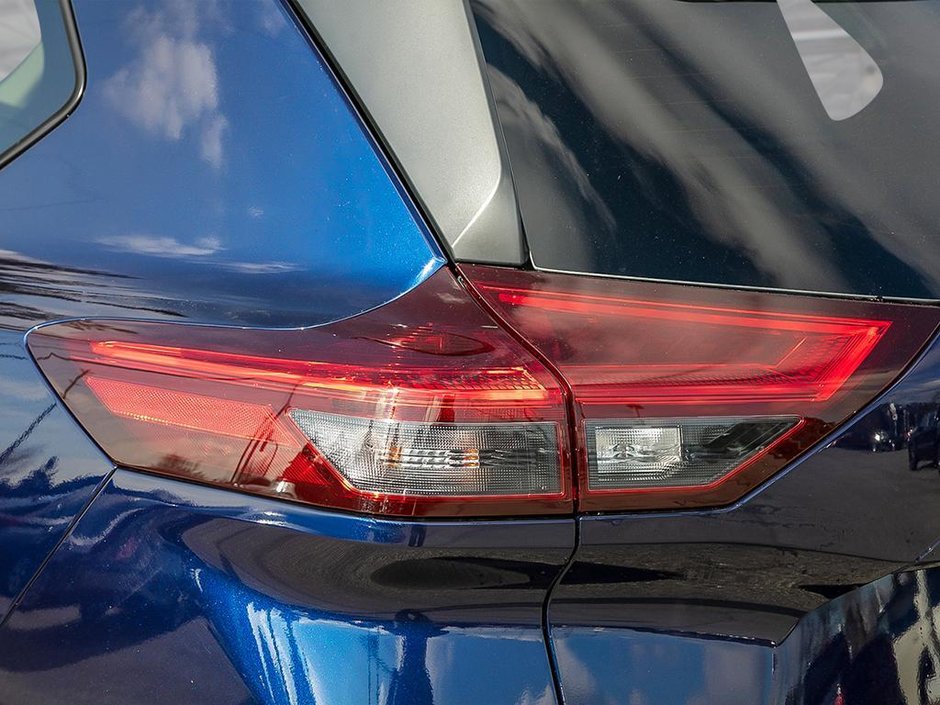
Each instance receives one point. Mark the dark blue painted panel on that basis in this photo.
(172, 592)
(651, 668)
(48, 469)
(213, 171)
(877, 645)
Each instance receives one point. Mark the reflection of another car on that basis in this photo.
(883, 430)
(923, 443)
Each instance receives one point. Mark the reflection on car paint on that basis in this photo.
(198, 179)
(914, 427)
(879, 644)
(232, 598)
(41, 491)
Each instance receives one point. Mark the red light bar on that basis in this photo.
(414, 385)
(684, 356)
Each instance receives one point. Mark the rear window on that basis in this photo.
(38, 71)
(786, 144)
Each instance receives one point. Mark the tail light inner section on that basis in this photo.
(689, 396)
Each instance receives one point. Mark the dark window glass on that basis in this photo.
(38, 76)
(785, 144)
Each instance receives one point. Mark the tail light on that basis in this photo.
(689, 396)
(503, 400)
(421, 407)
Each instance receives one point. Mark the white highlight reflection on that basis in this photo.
(172, 87)
(844, 75)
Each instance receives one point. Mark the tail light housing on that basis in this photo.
(510, 393)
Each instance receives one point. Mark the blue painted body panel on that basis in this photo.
(49, 469)
(876, 645)
(214, 171)
(173, 592)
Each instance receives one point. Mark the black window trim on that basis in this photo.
(47, 125)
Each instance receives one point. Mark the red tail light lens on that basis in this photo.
(691, 396)
(422, 407)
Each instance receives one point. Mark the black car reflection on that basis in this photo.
(895, 427)
(923, 439)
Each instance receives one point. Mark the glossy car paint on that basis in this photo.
(110, 213)
(811, 586)
(877, 644)
(48, 469)
(213, 171)
(167, 591)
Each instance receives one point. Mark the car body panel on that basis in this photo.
(215, 172)
(49, 469)
(170, 590)
(198, 180)
(877, 644)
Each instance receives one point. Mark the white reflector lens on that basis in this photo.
(644, 453)
(435, 459)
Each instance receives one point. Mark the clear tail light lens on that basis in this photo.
(653, 453)
(422, 407)
(690, 396)
(437, 459)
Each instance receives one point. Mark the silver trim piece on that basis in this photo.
(416, 69)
